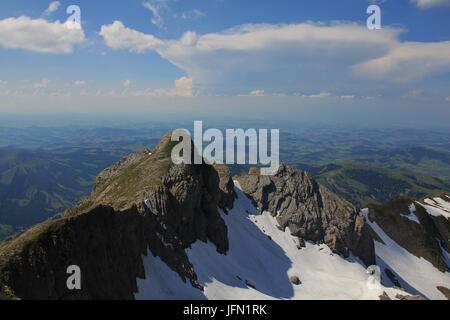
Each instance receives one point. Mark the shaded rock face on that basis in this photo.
(423, 239)
(385, 297)
(310, 211)
(226, 186)
(166, 217)
(188, 202)
(35, 264)
(295, 280)
(105, 244)
(445, 291)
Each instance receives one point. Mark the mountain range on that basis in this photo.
(154, 230)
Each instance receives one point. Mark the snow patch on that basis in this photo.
(416, 275)
(260, 265)
(162, 283)
(437, 207)
(412, 214)
(262, 259)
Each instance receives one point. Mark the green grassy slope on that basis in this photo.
(363, 184)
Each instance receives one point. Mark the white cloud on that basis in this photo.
(408, 62)
(193, 14)
(155, 8)
(183, 87)
(257, 93)
(38, 35)
(189, 38)
(424, 4)
(117, 36)
(52, 7)
(79, 83)
(447, 99)
(320, 95)
(309, 56)
(325, 94)
(298, 54)
(126, 84)
(243, 56)
(43, 84)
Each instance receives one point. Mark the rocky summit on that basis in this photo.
(310, 211)
(141, 202)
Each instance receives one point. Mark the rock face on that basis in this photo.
(385, 297)
(426, 239)
(143, 202)
(445, 291)
(188, 201)
(311, 212)
(34, 265)
(295, 280)
(226, 186)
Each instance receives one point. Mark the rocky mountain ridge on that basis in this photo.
(310, 211)
(107, 238)
(146, 205)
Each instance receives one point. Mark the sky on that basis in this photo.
(262, 58)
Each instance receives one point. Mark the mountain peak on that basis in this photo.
(144, 202)
(310, 211)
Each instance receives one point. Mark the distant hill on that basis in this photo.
(44, 171)
(428, 161)
(35, 185)
(363, 184)
(6, 231)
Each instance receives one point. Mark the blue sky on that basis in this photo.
(175, 53)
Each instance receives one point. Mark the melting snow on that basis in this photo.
(416, 275)
(437, 207)
(259, 265)
(162, 283)
(412, 214)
